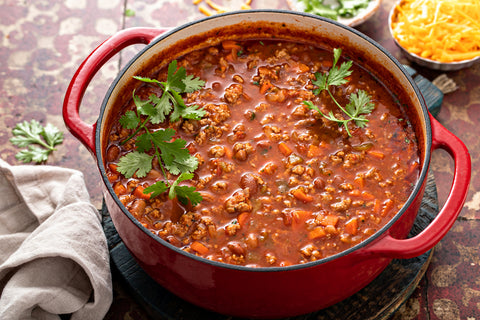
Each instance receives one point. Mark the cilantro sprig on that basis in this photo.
(359, 103)
(39, 140)
(172, 154)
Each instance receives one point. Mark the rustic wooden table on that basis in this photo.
(43, 42)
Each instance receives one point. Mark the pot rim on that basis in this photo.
(417, 188)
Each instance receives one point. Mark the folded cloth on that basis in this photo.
(53, 253)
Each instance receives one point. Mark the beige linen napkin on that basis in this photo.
(53, 253)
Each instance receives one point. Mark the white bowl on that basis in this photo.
(361, 17)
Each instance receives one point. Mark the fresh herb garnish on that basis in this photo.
(40, 140)
(342, 8)
(129, 13)
(172, 155)
(359, 103)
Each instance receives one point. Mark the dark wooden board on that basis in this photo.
(379, 300)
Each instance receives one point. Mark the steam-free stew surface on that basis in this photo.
(281, 184)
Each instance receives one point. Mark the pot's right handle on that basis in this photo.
(438, 228)
(87, 70)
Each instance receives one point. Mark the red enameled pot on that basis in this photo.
(278, 291)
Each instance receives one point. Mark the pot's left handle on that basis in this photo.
(87, 70)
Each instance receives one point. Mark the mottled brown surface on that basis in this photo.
(43, 42)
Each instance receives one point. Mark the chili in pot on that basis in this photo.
(281, 175)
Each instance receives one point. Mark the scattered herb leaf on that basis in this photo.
(39, 140)
(129, 13)
(359, 103)
(172, 155)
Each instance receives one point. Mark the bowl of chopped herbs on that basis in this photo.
(347, 12)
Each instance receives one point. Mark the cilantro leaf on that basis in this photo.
(163, 107)
(184, 194)
(175, 78)
(129, 120)
(359, 103)
(34, 153)
(52, 135)
(26, 133)
(193, 84)
(135, 162)
(176, 157)
(337, 75)
(156, 189)
(39, 140)
(172, 155)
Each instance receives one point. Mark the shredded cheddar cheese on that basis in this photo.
(218, 8)
(440, 30)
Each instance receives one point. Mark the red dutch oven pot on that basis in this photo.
(278, 291)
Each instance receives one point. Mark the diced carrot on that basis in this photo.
(119, 189)
(329, 220)
(359, 181)
(387, 206)
(355, 193)
(138, 193)
(242, 218)
(285, 149)
(316, 233)
(232, 56)
(376, 154)
(301, 215)
(367, 196)
(377, 206)
(228, 153)
(314, 151)
(231, 44)
(303, 67)
(112, 176)
(113, 167)
(351, 227)
(302, 196)
(199, 247)
(265, 86)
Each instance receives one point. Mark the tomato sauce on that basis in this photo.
(281, 184)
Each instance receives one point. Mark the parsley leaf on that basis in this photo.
(40, 141)
(172, 155)
(359, 103)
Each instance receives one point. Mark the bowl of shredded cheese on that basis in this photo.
(438, 34)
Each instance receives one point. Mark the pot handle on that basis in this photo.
(87, 70)
(446, 217)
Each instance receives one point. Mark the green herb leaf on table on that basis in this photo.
(172, 155)
(39, 140)
(359, 103)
